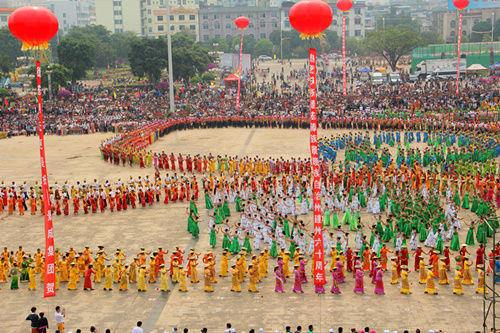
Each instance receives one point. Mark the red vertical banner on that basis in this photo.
(458, 51)
(239, 74)
(319, 262)
(49, 282)
(344, 67)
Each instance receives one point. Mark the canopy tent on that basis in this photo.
(476, 67)
(231, 78)
(365, 70)
(495, 66)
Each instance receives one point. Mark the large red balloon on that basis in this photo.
(344, 5)
(461, 4)
(241, 22)
(310, 17)
(34, 26)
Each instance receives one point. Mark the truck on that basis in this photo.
(377, 78)
(438, 67)
(394, 78)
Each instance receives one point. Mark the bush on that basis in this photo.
(207, 77)
(195, 80)
(4, 92)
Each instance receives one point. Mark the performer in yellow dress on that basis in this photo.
(73, 276)
(132, 271)
(108, 278)
(32, 277)
(194, 272)
(224, 263)
(252, 286)
(235, 281)
(457, 287)
(151, 276)
(430, 287)
(443, 275)
(394, 271)
(164, 281)
(405, 284)
(124, 279)
(467, 275)
(182, 279)
(207, 277)
(480, 280)
(423, 272)
(141, 284)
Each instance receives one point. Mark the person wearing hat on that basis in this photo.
(116, 269)
(394, 271)
(163, 276)
(241, 266)
(132, 270)
(235, 280)
(152, 269)
(182, 278)
(207, 278)
(405, 284)
(124, 276)
(466, 271)
(335, 282)
(359, 285)
(297, 285)
(443, 275)
(252, 274)
(32, 277)
(422, 270)
(141, 282)
(87, 282)
(480, 280)
(73, 276)
(108, 279)
(430, 287)
(224, 263)
(192, 270)
(457, 286)
(379, 281)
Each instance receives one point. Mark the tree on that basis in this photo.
(263, 47)
(147, 58)
(248, 44)
(100, 37)
(479, 30)
(5, 66)
(10, 45)
(398, 18)
(76, 55)
(433, 37)
(59, 76)
(121, 42)
(392, 43)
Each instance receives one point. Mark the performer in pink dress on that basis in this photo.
(279, 280)
(379, 282)
(359, 286)
(297, 286)
(335, 284)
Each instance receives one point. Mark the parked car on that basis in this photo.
(265, 58)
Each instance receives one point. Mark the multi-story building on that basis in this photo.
(446, 22)
(181, 20)
(69, 13)
(355, 20)
(218, 22)
(4, 16)
(119, 15)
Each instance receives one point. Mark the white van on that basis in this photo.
(377, 78)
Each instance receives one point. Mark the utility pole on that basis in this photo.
(50, 82)
(170, 70)
(492, 25)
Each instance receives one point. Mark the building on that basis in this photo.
(4, 16)
(446, 22)
(218, 22)
(181, 20)
(69, 13)
(355, 20)
(119, 15)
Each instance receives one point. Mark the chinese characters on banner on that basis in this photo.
(49, 282)
(458, 51)
(319, 263)
(239, 75)
(344, 67)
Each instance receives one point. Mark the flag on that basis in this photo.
(90, 97)
(6, 101)
(114, 94)
(138, 94)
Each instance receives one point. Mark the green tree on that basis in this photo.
(480, 30)
(263, 47)
(432, 37)
(147, 58)
(10, 45)
(248, 44)
(5, 66)
(76, 55)
(207, 77)
(121, 42)
(100, 37)
(59, 76)
(392, 43)
(398, 18)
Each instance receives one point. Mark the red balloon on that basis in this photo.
(461, 4)
(34, 26)
(241, 22)
(344, 5)
(310, 17)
